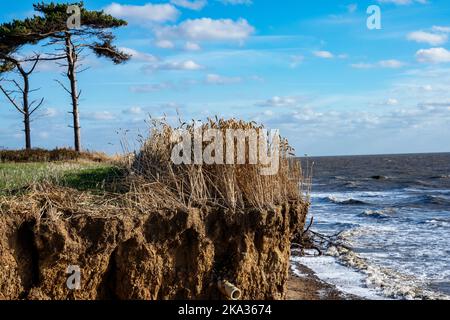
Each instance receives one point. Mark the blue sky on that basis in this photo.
(309, 68)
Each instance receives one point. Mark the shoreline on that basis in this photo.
(309, 287)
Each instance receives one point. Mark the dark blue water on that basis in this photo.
(394, 211)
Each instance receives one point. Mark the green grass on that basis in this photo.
(84, 176)
(91, 179)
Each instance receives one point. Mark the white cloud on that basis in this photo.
(50, 112)
(433, 55)
(362, 65)
(392, 102)
(268, 113)
(441, 29)
(165, 44)
(183, 65)
(146, 88)
(427, 37)
(190, 4)
(221, 80)
(207, 29)
(390, 64)
(279, 102)
(145, 13)
(154, 63)
(43, 135)
(99, 115)
(393, 64)
(429, 106)
(133, 110)
(191, 46)
(187, 65)
(323, 54)
(139, 56)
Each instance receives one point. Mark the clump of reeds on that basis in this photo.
(233, 186)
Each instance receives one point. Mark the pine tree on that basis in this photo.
(92, 33)
(13, 36)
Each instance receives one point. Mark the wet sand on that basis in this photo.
(309, 287)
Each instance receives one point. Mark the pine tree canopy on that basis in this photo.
(94, 26)
(52, 23)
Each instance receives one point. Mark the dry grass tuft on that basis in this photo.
(237, 187)
(48, 201)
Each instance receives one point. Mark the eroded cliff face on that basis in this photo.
(178, 254)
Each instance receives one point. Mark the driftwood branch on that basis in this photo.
(309, 239)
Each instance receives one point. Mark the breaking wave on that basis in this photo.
(383, 214)
(390, 283)
(349, 201)
(431, 200)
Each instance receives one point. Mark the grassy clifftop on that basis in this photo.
(81, 175)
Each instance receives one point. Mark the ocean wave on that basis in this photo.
(351, 184)
(443, 223)
(355, 232)
(384, 213)
(390, 283)
(423, 183)
(432, 199)
(379, 177)
(442, 176)
(342, 196)
(428, 190)
(348, 201)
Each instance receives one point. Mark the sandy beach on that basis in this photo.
(310, 287)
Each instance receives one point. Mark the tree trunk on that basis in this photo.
(71, 74)
(26, 108)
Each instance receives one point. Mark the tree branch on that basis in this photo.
(11, 100)
(38, 106)
(36, 61)
(63, 86)
(16, 84)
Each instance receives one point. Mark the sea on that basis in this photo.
(393, 211)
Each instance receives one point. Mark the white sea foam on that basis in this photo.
(362, 274)
(400, 250)
(297, 271)
(439, 223)
(379, 213)
(344, 279)
(373, 197)
(391, 283)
